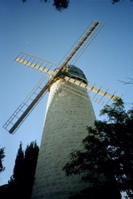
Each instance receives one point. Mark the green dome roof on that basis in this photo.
(74, 72)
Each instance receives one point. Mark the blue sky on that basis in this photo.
(38, 29)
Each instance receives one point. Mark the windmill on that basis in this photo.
(69, 111)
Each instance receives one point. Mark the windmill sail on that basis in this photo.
(92, 88)
(26, 106)
(82, 43)
(36, 62)
(73, 54)
(97, 93)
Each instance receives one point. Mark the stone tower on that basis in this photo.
(67, 116)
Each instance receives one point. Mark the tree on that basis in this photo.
(30, 161)
(2, 155)
(19, 164)
(116, 1)
(63, 4)
(130, 81)
(58, 4)
(21, 182)
(106, 163)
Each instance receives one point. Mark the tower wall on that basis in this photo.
(67, 116)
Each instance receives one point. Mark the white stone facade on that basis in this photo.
(67, 116)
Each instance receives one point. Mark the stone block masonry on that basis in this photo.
(67, 116)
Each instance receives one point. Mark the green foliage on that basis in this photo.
(58, 4)
(19, 164)
(31, 154)
(108, 191)
(21, 182)
(116, 1)
(61, 4)
(107, 158)
(2, 155)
